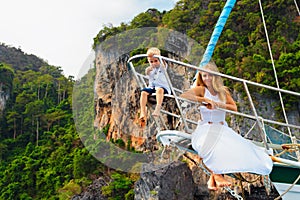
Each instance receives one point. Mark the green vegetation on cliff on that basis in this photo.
(242, 49)
(41, 154)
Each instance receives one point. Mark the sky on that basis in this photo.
(61, 32)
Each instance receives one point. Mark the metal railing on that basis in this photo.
(246, 83)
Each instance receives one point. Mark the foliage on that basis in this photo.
(150, 18)
(242, 49)
(6, 78)
(69, 190)
(41, 154)
(18, 60)
(119, 188)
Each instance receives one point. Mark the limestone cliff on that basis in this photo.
(118, 92)
(118, 96)
(4, 96)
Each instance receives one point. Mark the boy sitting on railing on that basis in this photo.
(157, 84)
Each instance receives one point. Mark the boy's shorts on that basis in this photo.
(153, 90)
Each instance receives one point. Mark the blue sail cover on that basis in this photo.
(277, 137)
(217, 32)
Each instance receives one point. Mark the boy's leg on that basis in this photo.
(159, 100)
(143, 102)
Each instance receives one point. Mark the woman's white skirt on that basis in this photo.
(224, 151)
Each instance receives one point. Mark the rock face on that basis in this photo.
(4, 96)
(117, 100)
(117, 91)
(182, 181)
(93, 191)
(174, 181)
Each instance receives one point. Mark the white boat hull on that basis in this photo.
(293, 194)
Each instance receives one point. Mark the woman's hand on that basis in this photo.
(211, 104)
(214, 105)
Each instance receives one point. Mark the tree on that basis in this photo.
(150, 18)
(50, 118)
(44, 81)
(12, 117)
(35, 110)
(6, 78)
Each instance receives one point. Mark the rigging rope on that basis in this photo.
(288, 189)
(274, 69)
(240, 177)
(297, 7)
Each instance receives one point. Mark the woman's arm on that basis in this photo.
(230, 103)
(195, 94)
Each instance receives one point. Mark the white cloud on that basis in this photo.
(62, 31)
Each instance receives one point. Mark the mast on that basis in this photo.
(217, 32)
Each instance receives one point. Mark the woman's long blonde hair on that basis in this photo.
(217, 81)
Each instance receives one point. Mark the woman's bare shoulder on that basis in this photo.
(199, 90)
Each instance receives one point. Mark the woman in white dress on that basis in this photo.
(222, 149)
